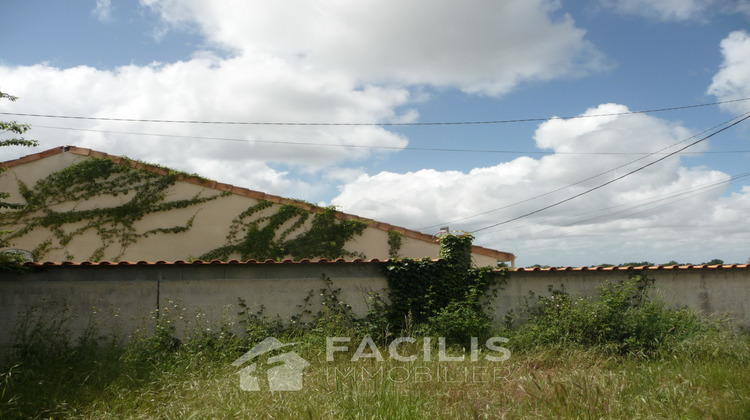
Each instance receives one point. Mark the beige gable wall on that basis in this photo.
(211, 220)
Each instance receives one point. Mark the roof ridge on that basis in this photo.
(634, 268)
(246, 192)
(204, 262)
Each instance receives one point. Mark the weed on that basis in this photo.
(158, 377)
(619, 355)
(623, 319)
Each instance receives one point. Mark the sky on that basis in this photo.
(569, 133)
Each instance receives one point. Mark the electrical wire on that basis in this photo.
(510, 121)
(660, 151)
(414, 148)
(359, 146)
(743, 117)
(611, 217)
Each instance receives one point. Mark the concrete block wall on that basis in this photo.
(120, 298)
(124, 298)
(708, 290)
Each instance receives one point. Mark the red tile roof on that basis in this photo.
(499, 255)
(200, 262)
(376, 261)
(634, 268)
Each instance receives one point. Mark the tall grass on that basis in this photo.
(668, 363)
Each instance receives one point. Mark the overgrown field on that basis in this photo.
(620, 355)
(545, 383)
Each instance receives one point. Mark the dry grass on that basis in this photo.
(545, 383)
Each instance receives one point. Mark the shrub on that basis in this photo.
(458, 322)
(622, 318)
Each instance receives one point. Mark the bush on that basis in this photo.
(622, 319)
(458, 322)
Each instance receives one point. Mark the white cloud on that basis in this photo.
(480, 46)
(665, 9)
(625, 219)
(324, 61)
(262, 177)
(679, 10)
(733, 79)
(103, 10)
(208, 89)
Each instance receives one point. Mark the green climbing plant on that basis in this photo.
(254, 234)
(395, 240)
(58, 203)
(448, 297)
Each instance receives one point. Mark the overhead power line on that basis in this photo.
(360, 146)
(743, 117)
(660, 151)
(280, 123)
(645, 206)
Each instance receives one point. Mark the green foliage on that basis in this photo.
(258, 231)
(326, 237)
(254, 234)
(395, 240)
(258, 236)
(637, 264)
(446, 297)
(256, 325)
(142, 193)
(52, 375)
(47, 366)
(153, 347)
(335, 317)
(459, 321)
(714, 261)
(13, 262)
(38, 333)
(622, 319)
(376, 322)
(15, 129)
(456, 250)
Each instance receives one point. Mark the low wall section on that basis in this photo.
(120, 298)
(711, 290)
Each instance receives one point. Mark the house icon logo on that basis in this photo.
(284, 376)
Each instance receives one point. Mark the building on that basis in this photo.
(83, 205)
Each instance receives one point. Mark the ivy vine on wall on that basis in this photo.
(449, 297)
(142, 193)
(395, 240)
(253, 235)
